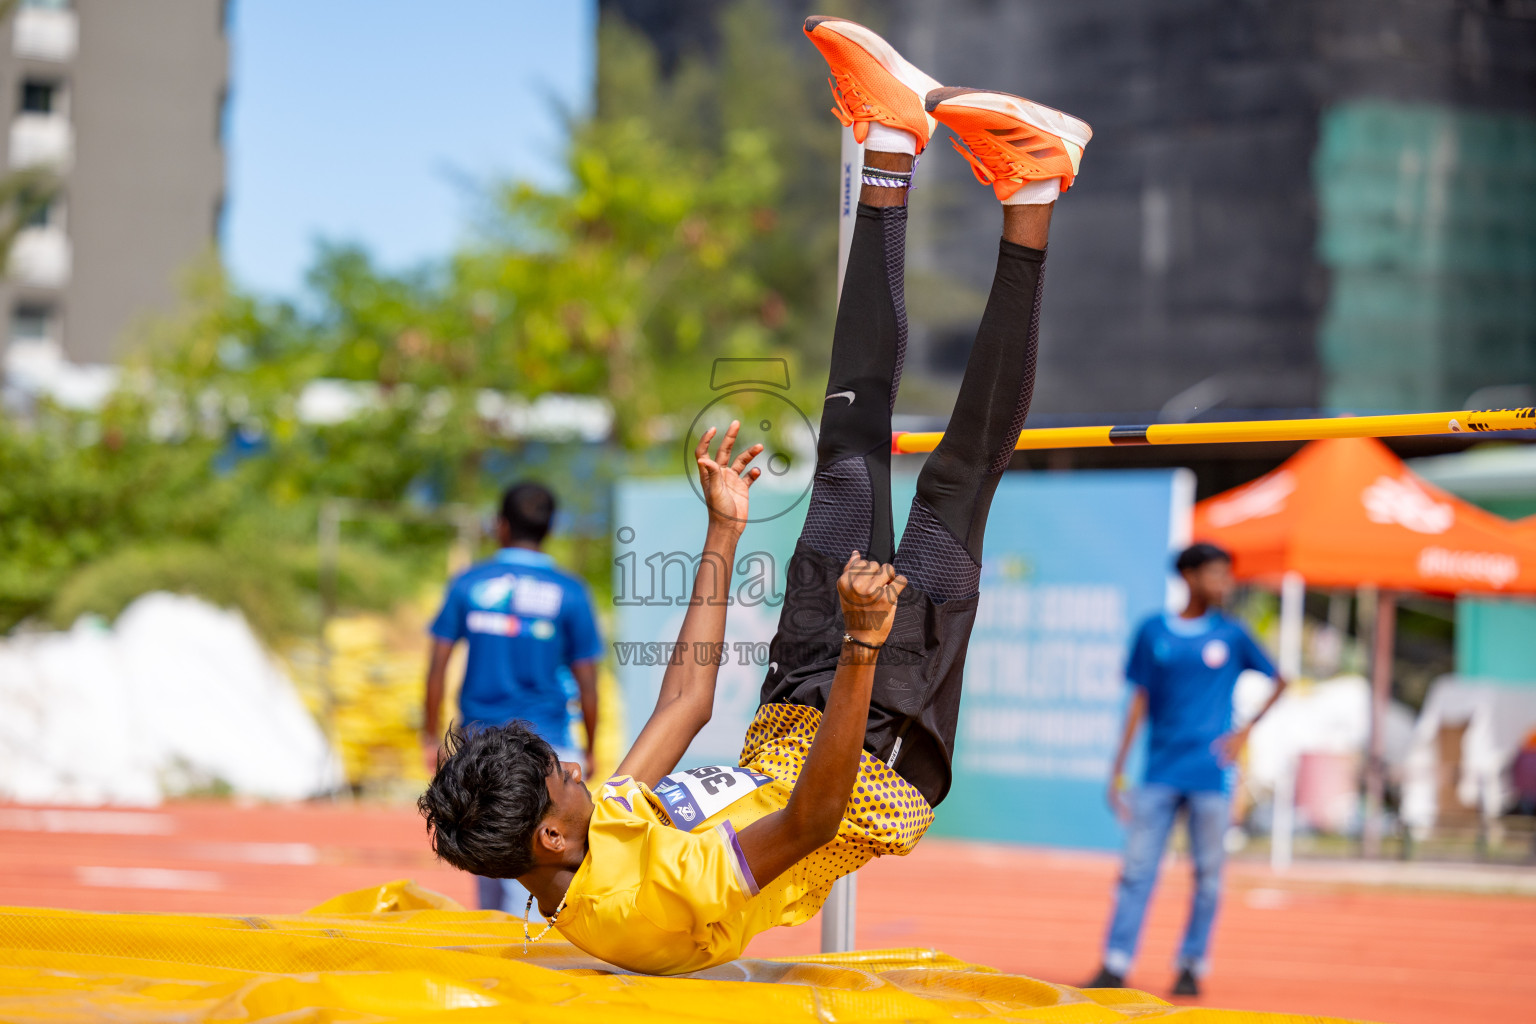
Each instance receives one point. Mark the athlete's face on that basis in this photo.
(563, 833)
(566, 786)
(1212, 582)
(569, 798)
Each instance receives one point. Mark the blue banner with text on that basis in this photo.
(1072, 562)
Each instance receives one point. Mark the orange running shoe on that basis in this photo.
(870, 80)
(1010, 140)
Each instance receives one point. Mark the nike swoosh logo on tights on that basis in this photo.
(841, 394)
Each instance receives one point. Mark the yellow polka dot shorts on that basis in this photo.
(886, 814)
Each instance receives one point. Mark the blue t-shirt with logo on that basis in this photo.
(525, 620)
(1189, 668)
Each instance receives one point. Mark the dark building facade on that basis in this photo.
(1287, 204)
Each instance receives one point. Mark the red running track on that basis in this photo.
(1300, 943)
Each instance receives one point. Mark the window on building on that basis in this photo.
(39, 96)
(31, 322)
(48, 5)
(221, 116)
(38, 211)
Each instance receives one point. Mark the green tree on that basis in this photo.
(694, 222)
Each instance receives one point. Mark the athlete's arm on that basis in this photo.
(1133, 716)
(810, 820)
(688, 688)
(1280, 684)
(585, 674)
(437, 673)
(1230, 746)
(431, 714)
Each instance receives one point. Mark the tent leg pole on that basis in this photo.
(1381, 690)
(1293, 597)
(1283, 828)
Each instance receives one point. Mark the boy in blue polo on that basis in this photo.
(527, 623)
(1183, 669)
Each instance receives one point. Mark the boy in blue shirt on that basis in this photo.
(1183, 669)
(527, 623)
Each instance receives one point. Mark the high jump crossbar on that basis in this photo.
(1403, 425)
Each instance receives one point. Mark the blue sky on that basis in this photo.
(374, 120)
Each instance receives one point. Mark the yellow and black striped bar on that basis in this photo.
(1404, 425)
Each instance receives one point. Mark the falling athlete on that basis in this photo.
(851, 747)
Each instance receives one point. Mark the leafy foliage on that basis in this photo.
(681, 233)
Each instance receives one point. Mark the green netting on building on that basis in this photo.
(1496, 641)
(1427, 221)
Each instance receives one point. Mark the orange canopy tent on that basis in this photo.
(1347, 512)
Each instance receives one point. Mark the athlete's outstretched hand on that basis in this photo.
(722, 480)
(868, 591)
(688, 685)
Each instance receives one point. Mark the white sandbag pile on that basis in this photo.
(1497, 718)
(177, 696)
(1331, 716)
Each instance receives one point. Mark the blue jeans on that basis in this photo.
(1154, 807)
(508, 894)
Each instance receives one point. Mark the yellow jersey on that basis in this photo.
(665, 889)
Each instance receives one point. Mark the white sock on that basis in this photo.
(882, 138)
(1035, 193)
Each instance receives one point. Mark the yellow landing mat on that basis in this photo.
(401, 953)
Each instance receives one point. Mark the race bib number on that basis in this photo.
(691, 797)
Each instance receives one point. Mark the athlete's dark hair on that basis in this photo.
(528, 509)
(487, 799)
(1197, 555)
